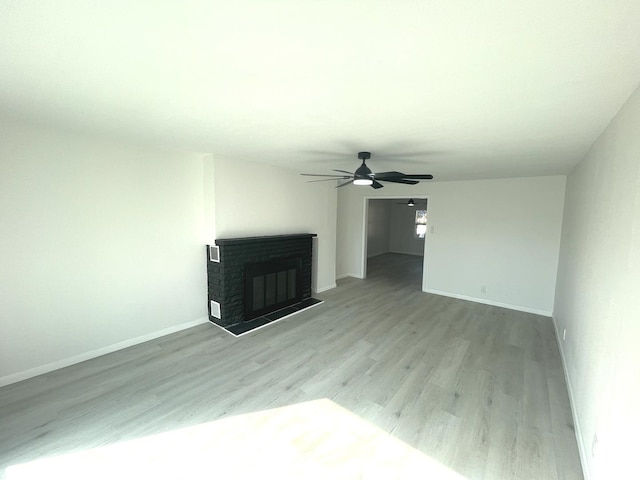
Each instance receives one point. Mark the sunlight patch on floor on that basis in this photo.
(310, 440)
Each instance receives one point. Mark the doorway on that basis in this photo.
(395, 239)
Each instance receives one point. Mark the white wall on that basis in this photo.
(379, 219)
(101, 242)
(504, 234)
(597, 299)
(402, 229)
(254, 199)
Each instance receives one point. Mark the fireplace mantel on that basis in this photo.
(229, 260)
(263, 239)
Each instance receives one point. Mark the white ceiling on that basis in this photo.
(459, 89)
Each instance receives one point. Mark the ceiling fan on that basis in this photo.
(364, 176)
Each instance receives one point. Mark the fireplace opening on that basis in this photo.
(272, 285)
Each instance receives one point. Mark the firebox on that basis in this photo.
(270, 286)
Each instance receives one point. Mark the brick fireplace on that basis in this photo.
(253, 281)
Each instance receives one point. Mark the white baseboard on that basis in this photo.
(484, 301)
(395, 251)
(582, 449)
(408, 253)
(345, 275)
(325, 288)
(50, 367)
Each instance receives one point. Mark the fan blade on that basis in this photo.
(328, 180)
(418, 176)
(345, 184)
(412, 176)
(400, 180)
(385, 175)
(376, 185)
(343, 171)
(322, 175)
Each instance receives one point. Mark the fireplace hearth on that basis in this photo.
(254, 281)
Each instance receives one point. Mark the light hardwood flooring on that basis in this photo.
(478, 388)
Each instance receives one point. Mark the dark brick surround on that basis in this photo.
(226, 278)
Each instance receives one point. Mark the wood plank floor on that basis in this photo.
(478, 388)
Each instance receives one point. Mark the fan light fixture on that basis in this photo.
(362, 176)
(363, 181)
